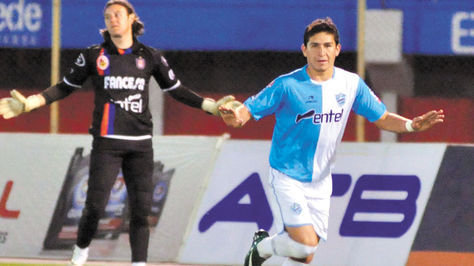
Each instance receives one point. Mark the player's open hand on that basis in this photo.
(231, 113)
(427, 120)
(17, 104)
(12, 106)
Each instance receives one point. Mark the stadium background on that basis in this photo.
(220, 47)
(235, 46)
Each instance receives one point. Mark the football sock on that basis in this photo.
(283, 245)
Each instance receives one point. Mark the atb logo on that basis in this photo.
(380, 205)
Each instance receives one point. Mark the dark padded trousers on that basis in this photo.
(136, 160)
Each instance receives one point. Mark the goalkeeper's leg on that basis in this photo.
(138, 174)
(104, 168)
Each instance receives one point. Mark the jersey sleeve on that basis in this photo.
(163, 73)
(367, 104)
(80, 70)
(267, 101)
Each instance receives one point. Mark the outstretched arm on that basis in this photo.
(399, 124)
(17, 104)
(190, 98)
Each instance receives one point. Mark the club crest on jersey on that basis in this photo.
(296, 208)
(341, 99)
(140, 62)
(102, 62)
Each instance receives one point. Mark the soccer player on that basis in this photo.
(311, 106)
(120, 69)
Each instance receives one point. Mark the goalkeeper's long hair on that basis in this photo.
(138, 28)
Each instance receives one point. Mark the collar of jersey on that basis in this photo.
(112, 49)
(307, 77)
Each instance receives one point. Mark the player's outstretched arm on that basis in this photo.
(189, 97)
(399, 124)
(17, 104)
(235, 114)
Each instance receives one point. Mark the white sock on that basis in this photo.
(81, 250)
(264, 248)
(282, 245)
(79, 255)
(290, 262)
(138, 263)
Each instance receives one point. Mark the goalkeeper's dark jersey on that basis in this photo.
(120, 79)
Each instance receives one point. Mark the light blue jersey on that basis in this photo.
(310, 119)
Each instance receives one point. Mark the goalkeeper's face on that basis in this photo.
(118, 21)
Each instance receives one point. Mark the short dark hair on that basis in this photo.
(321, 25)
(138, 28)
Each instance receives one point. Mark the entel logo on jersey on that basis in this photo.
(132, 103)
(389, 198)
(320, 118)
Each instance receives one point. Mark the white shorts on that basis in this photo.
(295, 204)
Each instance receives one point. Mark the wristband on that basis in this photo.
(408, 126)
(32, 102)
(209, 106)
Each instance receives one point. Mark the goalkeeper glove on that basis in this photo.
(212, 107)
(18, 104)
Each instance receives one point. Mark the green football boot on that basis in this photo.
(253, 258)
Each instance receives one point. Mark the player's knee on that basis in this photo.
(93, 210)
(139, 216)
(141, 210)
(308, 241)
(95, 204)
(288, 247)
(304, 247)
(302, 251)
(139, 220)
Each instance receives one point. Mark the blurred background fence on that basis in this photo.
(416, 49)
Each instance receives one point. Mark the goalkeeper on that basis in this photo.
(120, 69)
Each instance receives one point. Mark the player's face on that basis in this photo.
(321, 52)
(118, 21)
